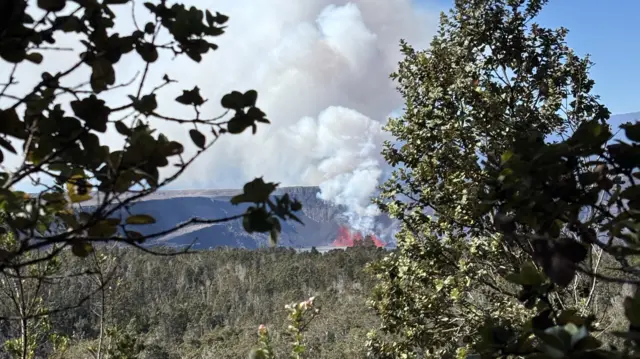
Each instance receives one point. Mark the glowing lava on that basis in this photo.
(348, 238)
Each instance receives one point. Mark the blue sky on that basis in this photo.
(607, 31)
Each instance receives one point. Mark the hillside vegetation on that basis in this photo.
(209, 304)
(517, 203)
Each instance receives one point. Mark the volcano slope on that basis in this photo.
(325, 225)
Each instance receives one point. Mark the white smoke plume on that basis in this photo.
(342, 149)
(325, 83)
(321, 68)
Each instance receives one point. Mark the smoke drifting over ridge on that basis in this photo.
(324, 81)
(321, 69)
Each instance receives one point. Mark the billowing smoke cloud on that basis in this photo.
(321, 68)
(325, 83)
(342, 150)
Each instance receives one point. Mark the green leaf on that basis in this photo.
(13, 51)
(233, 100)
(21, 223)
(140, 219)
(184, 98)
(78, 188)
(53, 197)
(52, 5)
(81, 249)
(146, 105)
(238, 124)
(256, 191)
(147, 52)
(198, 138)
(150, 28)
(246, 224)
(438, 284)
(258, 220)
(528, 275)
(210, 18)
(69, 126)
(103, 75)
(256, 114)
(69, 220)
(69, 23)
(195, 56)
(622, 154)
(93, 111)
(220, 18)
(11, 125)
(590, 134)
(296, 206)
(35, 57)
(122, 128)
(632, 130)
(191, 97)
(454, 293)
(249, 98)
(77, 198)
(103, 229)
(506, 157)
(7, 145)
(150, 6)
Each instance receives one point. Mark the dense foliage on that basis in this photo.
(515, 210)
(54, 131)
(209, 304)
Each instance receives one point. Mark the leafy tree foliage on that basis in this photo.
(506, 191)
(558, 202)
(55, 129)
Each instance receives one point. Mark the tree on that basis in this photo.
(55, 128)
(569, 205)
(22, 302)
(104, 266)
(491, 79)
